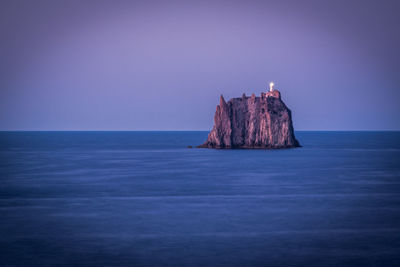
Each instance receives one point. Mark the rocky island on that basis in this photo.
(252, 122)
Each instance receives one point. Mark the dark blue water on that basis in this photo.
(144, 199)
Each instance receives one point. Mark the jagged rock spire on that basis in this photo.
(252, 122)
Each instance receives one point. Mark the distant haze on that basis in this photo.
(162, 65)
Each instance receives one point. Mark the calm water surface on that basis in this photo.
(144, 199)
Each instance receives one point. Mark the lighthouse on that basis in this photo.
(271, 86)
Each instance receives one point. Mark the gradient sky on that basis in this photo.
(161, 65)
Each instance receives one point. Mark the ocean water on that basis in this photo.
(145, 199)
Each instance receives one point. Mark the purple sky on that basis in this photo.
(161, 65)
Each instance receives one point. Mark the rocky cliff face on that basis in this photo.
(252, 122)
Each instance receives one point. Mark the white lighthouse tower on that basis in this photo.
(271, 86)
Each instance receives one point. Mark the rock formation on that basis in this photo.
(252, 122)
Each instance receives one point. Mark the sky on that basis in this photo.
(162, 65)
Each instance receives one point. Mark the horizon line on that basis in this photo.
(186, 130)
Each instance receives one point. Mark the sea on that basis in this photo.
(146, 199)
